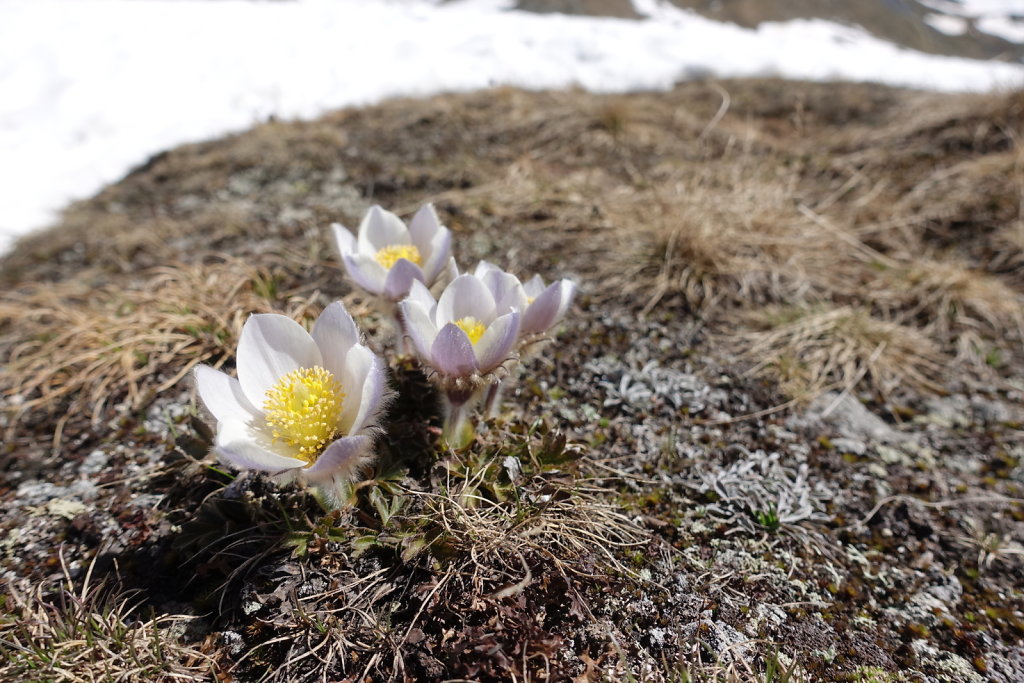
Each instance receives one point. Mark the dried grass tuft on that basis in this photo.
(80, 349)
(811, 349)
(91, 634)
(950, 300)
(727, 234)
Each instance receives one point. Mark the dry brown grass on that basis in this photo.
(810, 350)
(714, 198)
(64, 634)
(949, 301)
(728, 235)
(847, 226)
(86, 348)
(468, 559)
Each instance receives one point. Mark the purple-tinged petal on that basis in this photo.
(365, 272)
(342, 459)
(400, 278)
(223, 396)
(418, 326)
(249, 449)
(335, 333)
(436, 256)
(509, 294)
(505, 287)
(270, 347)
(344, 240)
(424, 226)
(452, 353)
(465, 297)
(548, 308)
(379, 229)
(497, 342)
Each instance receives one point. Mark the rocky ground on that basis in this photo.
(779, 437)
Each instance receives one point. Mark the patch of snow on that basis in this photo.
(976, 8)
(948, 24)
(89, 90)
(1007, 28)
(979, 7)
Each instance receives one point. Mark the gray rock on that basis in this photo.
(94, 462)
(851, 420)
(855, 446)
(38, 492)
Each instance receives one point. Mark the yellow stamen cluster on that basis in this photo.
(303, 409)
(473, 328)
(390, 254)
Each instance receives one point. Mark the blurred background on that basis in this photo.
(90, 89)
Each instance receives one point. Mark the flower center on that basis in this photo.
(390, 254)
(473, 328)
(303, 409)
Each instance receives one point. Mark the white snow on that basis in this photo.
(90, 88)
(976, 8)
(945, 23)
(1006, 28)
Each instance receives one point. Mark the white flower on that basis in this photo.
(387, 257)
(304, 404)
(465, 335)
(542, 306)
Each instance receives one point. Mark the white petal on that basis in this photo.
(335, 333)
(466, 296)
(419, 327)
(365, 272)
(508, 292)
(223, 396)
(424, 226)
(437, 255)
(534, 286)
(270, 347)
(371, 400)
(364, 384)
(419, 294)
(497, 341)
(344, 240)
(249, 449)
(379, 229)
(452, 269)
(400, 278)
(342, 458)
(485, 267)
(568, 293)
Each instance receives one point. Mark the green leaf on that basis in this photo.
(412, 546)
(363, 543)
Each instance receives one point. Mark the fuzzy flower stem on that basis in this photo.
(493, 399)
(402, 344)
(458, 429)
